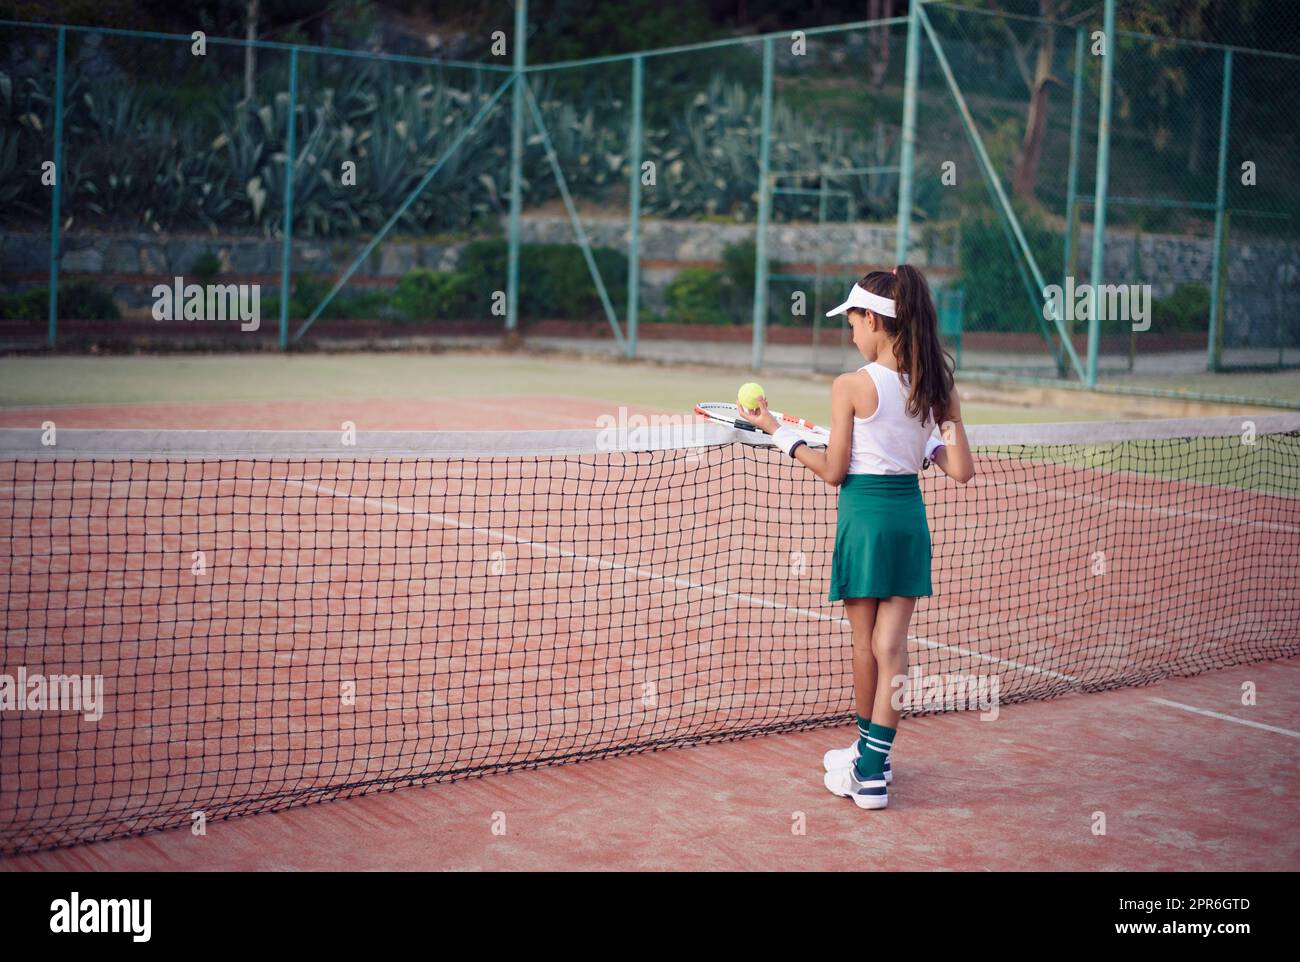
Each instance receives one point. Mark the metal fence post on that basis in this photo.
(1072, 178)
(1214, 348)
(907, 160)
(634, 205)
(56, 202)
(764, 208)
(1099, 201)
(286, 232)
(516, 166)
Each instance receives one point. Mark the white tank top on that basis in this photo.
(890, 441)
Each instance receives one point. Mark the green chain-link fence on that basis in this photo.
(650, 169)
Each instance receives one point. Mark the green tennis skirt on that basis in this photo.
(882, 539)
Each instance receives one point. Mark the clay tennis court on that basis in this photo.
(498, 614)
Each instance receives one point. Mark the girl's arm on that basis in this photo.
(831, 463)
(954, 458)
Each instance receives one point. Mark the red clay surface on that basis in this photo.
(522, 413)
(1178, 791)
(459, 666)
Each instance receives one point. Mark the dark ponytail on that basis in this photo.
(916, 339)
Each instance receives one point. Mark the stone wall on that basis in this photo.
(1262, 301)
(135, 262)
(1262, 296)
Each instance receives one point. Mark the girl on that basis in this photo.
(883, 418)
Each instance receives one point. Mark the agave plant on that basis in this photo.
(132, 160)
(11, 186)
(245, 156)
(22, 142)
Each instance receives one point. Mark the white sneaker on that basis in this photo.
(844, 757)
(870, 793)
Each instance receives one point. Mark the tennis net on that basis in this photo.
(275, 618)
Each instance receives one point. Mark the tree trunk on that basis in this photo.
(880, 10)
(1025, 179)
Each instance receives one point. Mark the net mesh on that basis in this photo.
(275, 629)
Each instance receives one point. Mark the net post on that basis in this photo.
(1214, 348)
(907, 159)
(764, 208)
(1103, 176)
(286, 231)
(634, 205)
(56, 200)
(516, 166)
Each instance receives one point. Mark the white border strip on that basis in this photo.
(25, 443)
(1101, 432)
(1228, 718)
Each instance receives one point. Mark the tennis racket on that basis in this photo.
(722, 412)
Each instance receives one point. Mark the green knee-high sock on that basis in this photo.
(879, 740)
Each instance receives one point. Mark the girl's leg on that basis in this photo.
(861, 613)
(889, 644)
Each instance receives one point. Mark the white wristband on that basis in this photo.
(932, 444)
(787, 439)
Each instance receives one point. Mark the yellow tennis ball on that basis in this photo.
(749, 395)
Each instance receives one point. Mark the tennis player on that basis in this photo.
(883, 419)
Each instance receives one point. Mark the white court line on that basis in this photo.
(1227, 718)
(651, 575)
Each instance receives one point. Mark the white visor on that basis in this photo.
(860, 297)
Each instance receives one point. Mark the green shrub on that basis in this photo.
(84, 301)
(738, 262)
(738, 265)
(25, 305)
(205, 268)
(554, 281)
(424, 294)
(695, 296)
(698, 295)
(737, 288)
(1186, 309)
(78, 301)
(375, 304)
(995, 297)
(308, 291)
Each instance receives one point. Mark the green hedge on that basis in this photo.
(554, 281)
(426, 295)
(694, 296)
(995, 297)
(308, 291)
(700, 295)
(78, 300)
(1187, 309)
(25, 306)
